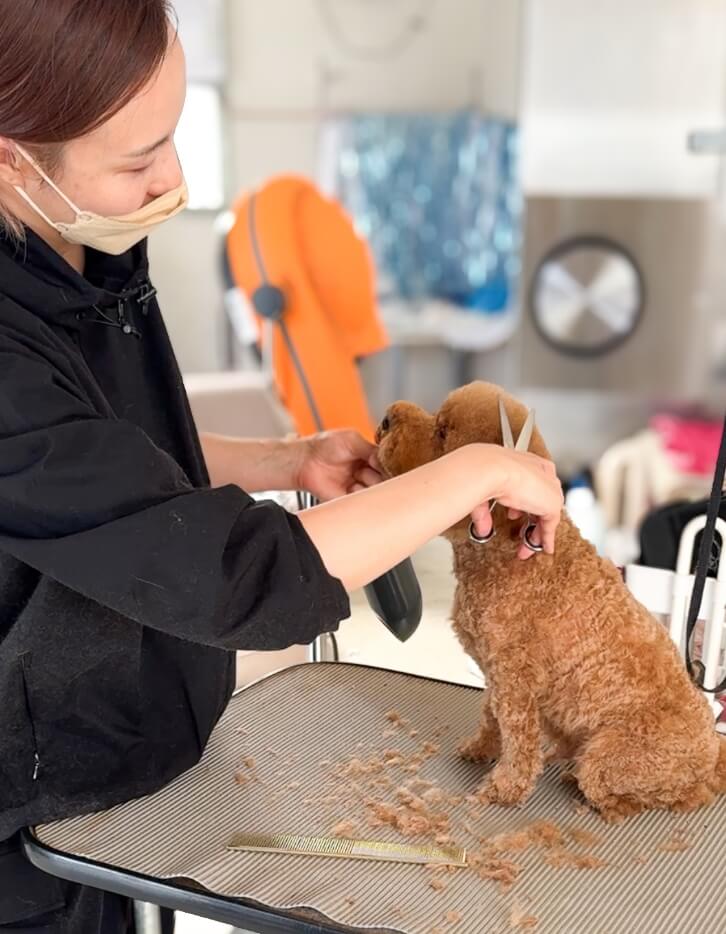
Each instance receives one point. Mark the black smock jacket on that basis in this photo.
(126, 582)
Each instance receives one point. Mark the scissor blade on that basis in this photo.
(507, 437)
(525, 435)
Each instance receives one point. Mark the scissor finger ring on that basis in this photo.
(481, 539)
(527, 541)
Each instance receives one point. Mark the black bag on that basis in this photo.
(661, 533)
(660, 536)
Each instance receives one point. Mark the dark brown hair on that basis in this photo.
(66, 66)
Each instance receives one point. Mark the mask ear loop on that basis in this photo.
(15, 156)
(46, 178)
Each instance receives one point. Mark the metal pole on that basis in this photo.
(147, 918)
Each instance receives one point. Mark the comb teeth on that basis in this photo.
(346, 849)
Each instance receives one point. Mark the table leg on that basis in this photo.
(147, 918)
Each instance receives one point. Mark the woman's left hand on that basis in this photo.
(335, 463)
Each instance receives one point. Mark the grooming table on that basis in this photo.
(290, 739)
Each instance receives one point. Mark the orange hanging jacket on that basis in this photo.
(308, 248)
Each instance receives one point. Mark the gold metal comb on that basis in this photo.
(347, 849)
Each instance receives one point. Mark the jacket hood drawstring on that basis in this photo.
(140, 296)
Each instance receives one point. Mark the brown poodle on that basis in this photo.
(568, 654)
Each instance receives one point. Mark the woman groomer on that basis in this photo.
(127, 576)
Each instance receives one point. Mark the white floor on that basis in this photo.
(432, 651)
(189, 924)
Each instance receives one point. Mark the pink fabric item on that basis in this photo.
(692, 444)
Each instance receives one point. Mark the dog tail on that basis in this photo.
(719, 778)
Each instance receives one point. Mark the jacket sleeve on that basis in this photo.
(94, 504)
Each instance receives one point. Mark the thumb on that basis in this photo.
(482, 519)
(359, 448)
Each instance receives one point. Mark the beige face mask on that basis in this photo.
(112, 235)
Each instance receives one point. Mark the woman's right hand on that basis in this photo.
(361, 536)
(527, 484)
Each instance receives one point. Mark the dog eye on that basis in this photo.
(441, 432)
(385, 424)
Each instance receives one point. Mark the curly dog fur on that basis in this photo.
(568, 654)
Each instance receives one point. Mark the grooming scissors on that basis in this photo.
(522, 444)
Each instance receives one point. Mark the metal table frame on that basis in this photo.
(150, 895)
(167, 893)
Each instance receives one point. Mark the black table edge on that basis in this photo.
(169, 894)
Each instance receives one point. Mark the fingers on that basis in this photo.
(535, 538)
(524, 553)
(546, 531)
(543, 534)
(367, 476)
(482, 519)
(359, 448)
(534, 489)
(374, 461)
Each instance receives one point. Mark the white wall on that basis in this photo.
(277, 95)
(184, 264)
(610, 92)
(286, 71)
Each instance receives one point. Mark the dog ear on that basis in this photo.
(471, 414)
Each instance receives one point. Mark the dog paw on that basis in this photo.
(615, 810)
(504, 788)
(613, 815)
(480, 749)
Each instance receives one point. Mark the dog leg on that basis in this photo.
(513, 778)
(558, 747)
(622, 775)
(486, 744)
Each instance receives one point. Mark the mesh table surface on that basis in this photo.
(279, 761)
